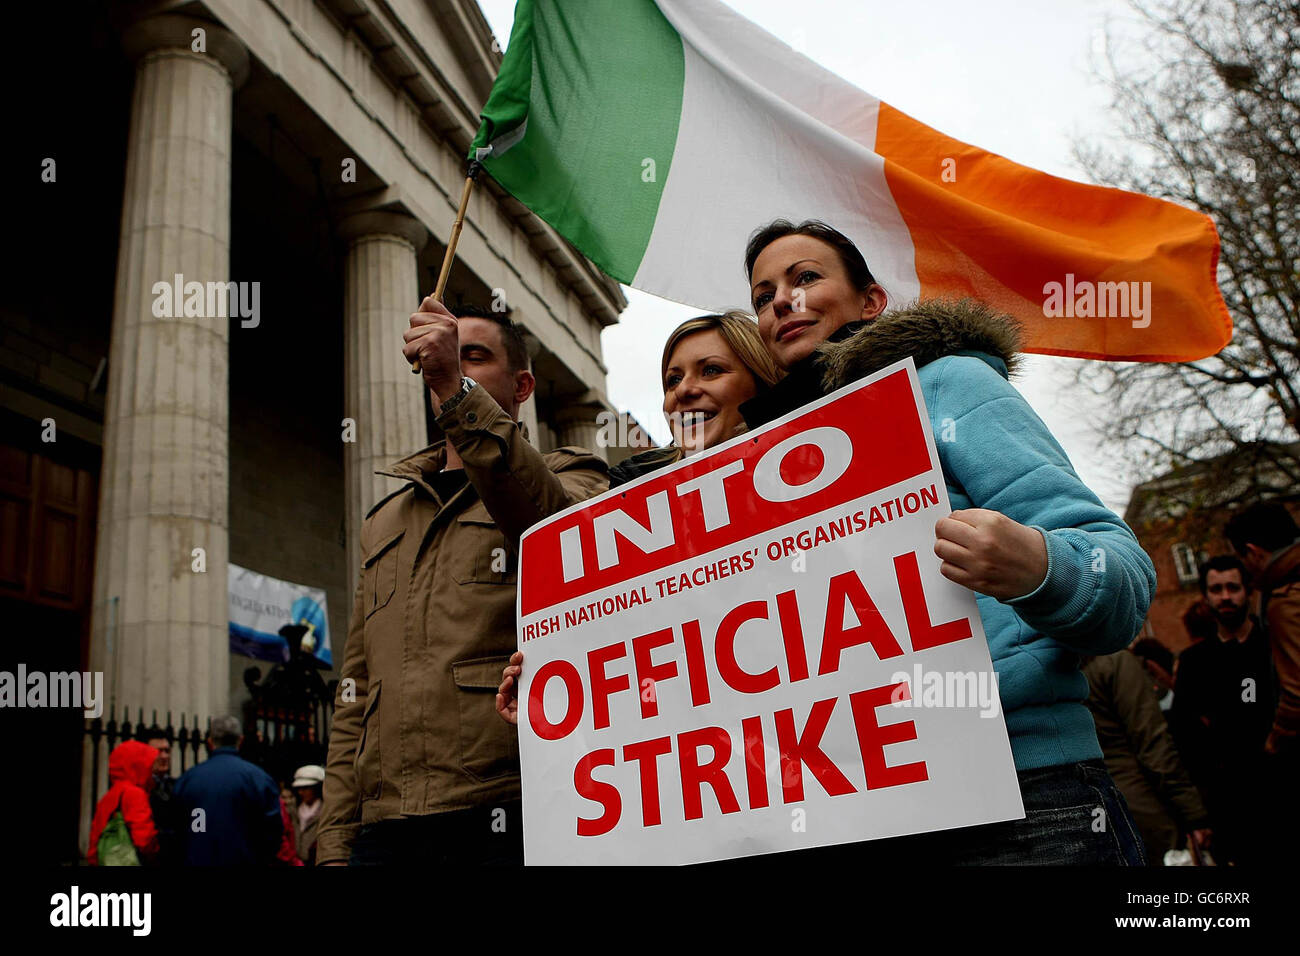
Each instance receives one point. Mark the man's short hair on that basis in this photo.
(146, 734)
(225, 731)
(1265, 524)
(512, 337)
(1221, 563)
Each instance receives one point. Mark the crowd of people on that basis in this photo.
(423, 763)
(225, 811)
(1204, 745)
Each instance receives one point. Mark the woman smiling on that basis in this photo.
(711, 365)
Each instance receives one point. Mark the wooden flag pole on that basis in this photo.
(474, 167)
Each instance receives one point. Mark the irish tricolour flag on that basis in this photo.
(657, 135)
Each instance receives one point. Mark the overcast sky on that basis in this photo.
(1011, 77)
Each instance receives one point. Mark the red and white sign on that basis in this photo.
(722, 658)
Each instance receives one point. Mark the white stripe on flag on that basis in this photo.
(746, 155)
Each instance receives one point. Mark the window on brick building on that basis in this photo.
(1185, 564)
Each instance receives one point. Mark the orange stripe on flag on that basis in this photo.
(1001, 232)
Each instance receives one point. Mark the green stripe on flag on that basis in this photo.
(596, 88)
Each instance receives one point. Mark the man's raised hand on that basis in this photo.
(433, 340)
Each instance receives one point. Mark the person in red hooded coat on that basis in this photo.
(130, 777)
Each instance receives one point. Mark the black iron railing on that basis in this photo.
(278, 739)
(186, 741)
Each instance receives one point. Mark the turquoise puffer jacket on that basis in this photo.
(1001, 456)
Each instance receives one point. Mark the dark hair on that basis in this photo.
(1200, 622)
(1224, 562)
(856, 266)
(1265, 524)
(1149, 649)
(146, 734)
(512, 337)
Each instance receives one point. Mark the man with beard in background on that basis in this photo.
(1222, 713)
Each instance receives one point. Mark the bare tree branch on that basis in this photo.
(1208, 102)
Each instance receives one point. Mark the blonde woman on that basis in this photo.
(711, 365)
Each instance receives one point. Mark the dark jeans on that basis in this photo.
(490, 835)
(1074, 816)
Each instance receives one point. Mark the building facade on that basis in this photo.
(234, 206)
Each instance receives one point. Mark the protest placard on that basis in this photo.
(755, 651)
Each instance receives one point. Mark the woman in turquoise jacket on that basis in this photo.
(1055, 573)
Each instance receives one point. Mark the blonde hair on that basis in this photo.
(740, 331)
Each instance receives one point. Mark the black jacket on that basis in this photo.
(629, 469)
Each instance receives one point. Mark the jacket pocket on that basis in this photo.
(489, 747)
(367, 768)
(481, 554)
(379, 573)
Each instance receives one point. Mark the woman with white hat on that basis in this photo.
(308, 783)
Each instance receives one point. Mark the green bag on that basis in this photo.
(115, 846)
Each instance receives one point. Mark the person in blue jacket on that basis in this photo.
(1055, 573)
(227, 810)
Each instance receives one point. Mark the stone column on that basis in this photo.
(160, 620)
(576, 424)
(546, 437)
(381, 290)
(528, 411)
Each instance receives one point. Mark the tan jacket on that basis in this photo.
(1280, 605)
(1140, 752)
(415, 726)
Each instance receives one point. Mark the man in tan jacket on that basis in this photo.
(1141, 756)
(1267, 539)
(420, 769)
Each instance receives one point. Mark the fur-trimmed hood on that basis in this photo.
(926, 331)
